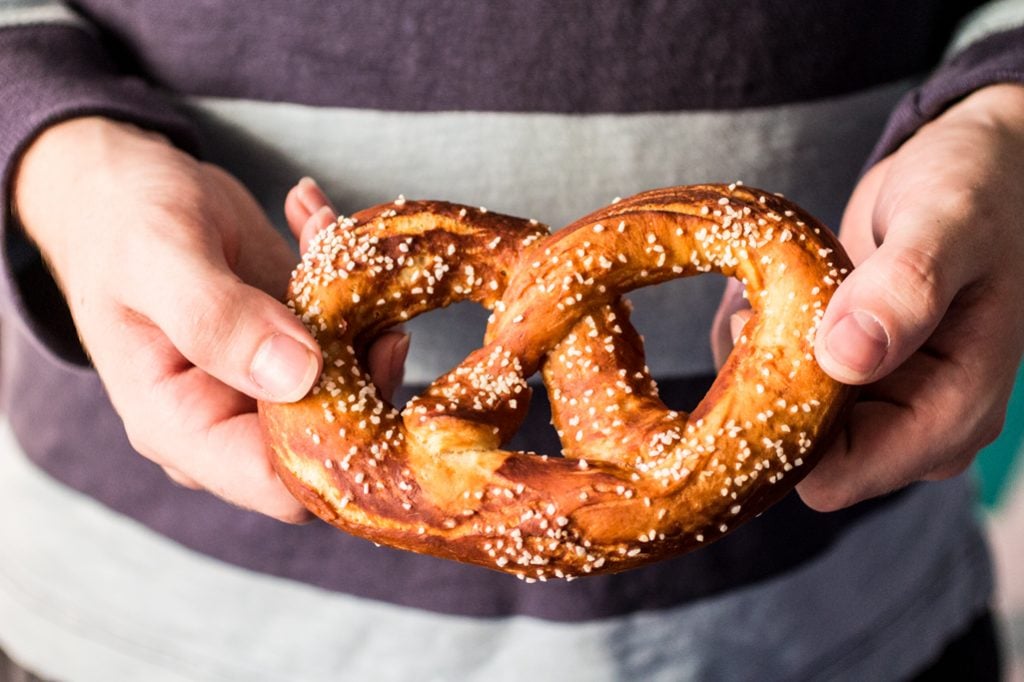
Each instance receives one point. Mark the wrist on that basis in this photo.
(999, 106)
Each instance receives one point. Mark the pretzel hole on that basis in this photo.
(434, 350)
(676, 338)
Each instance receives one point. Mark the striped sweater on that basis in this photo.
(539, 109)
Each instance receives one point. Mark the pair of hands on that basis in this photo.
(171, 271)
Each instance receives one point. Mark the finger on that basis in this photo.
(850, 470)
(228, 458)
(203, 432)
(181, 479)
(386, 360)
(302, 201)
(235, 332)
(903, 431)
(722, 338)
(235, 466)
(317, 222)
(872, 457)
(211, 434)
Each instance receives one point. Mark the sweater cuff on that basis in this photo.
(50, 73)
(998, 58)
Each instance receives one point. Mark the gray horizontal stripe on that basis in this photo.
(993, 17)
(554, 168)
(24, 12)
(119, 602)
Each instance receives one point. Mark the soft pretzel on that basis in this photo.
(637, 482)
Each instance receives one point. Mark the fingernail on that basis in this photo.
(858, 342)
(312, 197)
(284, 368)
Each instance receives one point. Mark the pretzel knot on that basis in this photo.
(637, 481)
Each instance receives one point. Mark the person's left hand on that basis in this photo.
(931, 322)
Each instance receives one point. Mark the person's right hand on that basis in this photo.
(171, 272)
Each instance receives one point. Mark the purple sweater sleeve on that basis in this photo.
(49, 73)
(52, 72)
(998, 58)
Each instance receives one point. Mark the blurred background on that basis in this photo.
(1000, 471)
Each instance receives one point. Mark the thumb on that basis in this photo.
(234, 332)
(883, 312)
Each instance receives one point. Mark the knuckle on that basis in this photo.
(260, 489)
(828, 503)
(984, 416)
(294, 515)
(208, 325)
(916, 281)
(990, 428)
(140, 441)
(950, 469)
(206, 168)
(276, 504)
(181, 478)
(828, 498)
(959, 455)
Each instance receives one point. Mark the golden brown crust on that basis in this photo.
(638, 482)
